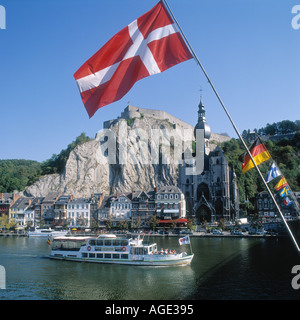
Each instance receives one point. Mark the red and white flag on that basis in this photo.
(185, 240)
(149, 45)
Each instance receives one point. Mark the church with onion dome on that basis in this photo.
(205, 178)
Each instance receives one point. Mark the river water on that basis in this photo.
(223, 268)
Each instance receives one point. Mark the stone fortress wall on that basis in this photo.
(131, 112)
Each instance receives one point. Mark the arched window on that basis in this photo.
(202, 190)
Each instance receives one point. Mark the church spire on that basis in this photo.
(201, 112)
(202, 124)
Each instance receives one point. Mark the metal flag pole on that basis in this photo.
(234, 126)
(190, 245)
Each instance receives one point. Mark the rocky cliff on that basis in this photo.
(130, 153)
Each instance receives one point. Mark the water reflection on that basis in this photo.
(223, 268)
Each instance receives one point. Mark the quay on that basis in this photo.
(226, 234)
(12, 234)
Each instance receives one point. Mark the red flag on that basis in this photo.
(149, 45)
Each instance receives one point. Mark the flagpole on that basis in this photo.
(190, 245)
(234, 126)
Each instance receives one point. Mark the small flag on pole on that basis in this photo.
(287, 201)
(284, 192)
(281, 184)
(149, 45)
(273, 173)
(185, 240)
(259, 154)
(49, 241)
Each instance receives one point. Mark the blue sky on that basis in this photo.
(248, 48)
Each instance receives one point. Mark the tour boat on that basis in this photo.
(108, 248)
(46, 233)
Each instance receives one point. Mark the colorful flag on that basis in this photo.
(287, 201)
(149, 45)
(273, 173)
(285, 191)
(281, 184)
(49, 241)
(185, 240)
(259, 154)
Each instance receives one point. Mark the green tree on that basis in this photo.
(153, 222)
(56, 163)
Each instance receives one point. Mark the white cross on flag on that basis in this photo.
(185, 240)
(149, 45)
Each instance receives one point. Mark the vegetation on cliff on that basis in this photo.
(18, 174)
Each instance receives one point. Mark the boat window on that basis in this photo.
(100, 255)
(107, 256)
(92, 242)
(145, 250)
(137, 251)
(99, 242)
(116, 256)
(124, 256)
(91, 255)
(107, 242)
(124, 242)
(67, 244)
(84, 255)
(117, 242)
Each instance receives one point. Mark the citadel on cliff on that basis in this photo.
(204, 178)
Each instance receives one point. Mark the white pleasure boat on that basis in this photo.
(109, 248)
(47, 233)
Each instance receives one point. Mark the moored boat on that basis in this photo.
(109, 248)
(46, 233)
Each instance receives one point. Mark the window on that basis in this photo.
(116, 242)
(107, 242)
(107, 256)
(91, 255)
(124, 256)
(100, 255)
(259, 204)
(124, 243)
(116, 256)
